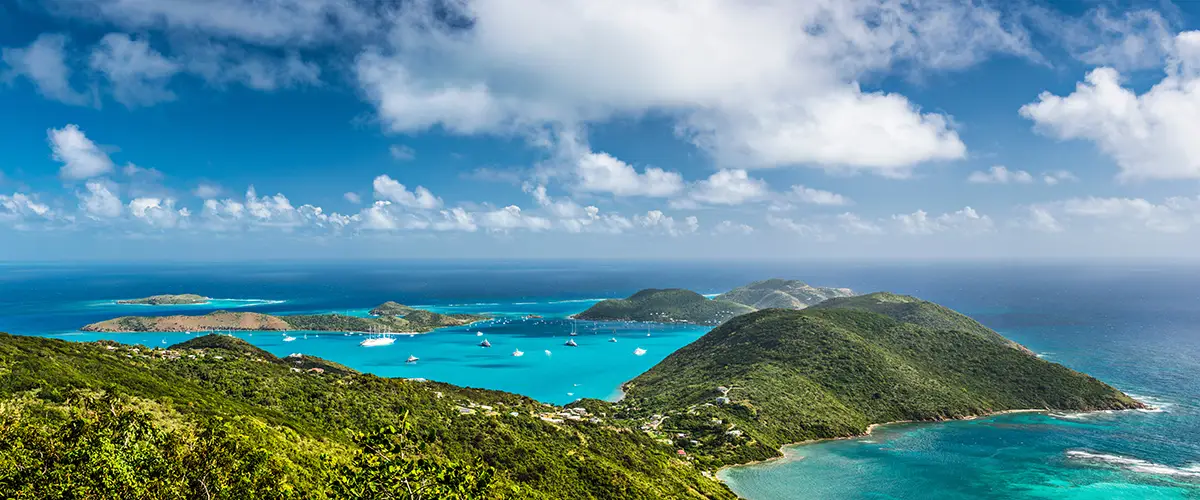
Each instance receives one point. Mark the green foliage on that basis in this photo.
(665, 306)
(392, 308)
(163, 300)
(305, 434)
(826, 372)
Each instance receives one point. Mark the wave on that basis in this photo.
(1156, 405)
(473, 304)
(1134, 464)
(524, 303)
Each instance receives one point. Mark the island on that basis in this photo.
(676, 305)
(168, 300)
(218, 415)
(409, 320)
(773, 377)
(778, 293)
(672, 305)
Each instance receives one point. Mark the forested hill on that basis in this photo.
(672, 305)
(218, 418)
(777, 376)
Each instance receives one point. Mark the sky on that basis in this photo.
(627, 129)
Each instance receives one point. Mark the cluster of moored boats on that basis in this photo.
(486, 344)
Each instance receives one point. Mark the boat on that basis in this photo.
(639, 351)
(485, 343)
(573, 333)
(614, 339)
(571, 343)
(517, 353)
(377, 341)
(288, 338)
(478, 334)
(547, 352)
(411, 359)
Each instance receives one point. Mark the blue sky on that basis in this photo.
(239, 129)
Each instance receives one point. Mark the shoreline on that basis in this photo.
(871, 428)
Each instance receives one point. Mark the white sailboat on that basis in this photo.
(288, 338)
(485, 343)
(571, 343)
(639, 351)
(517, 353)
(412, 359)
(573, 333)
(377, 341)
(613, 339)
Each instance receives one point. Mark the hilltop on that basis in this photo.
(392, 308)
(412, 321)
(782, 294)
(673, 305)
(168, 300)
(216, 417)
(777, 376)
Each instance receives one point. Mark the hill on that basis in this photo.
(782, 294)
(391, 308)
(217, 418)
(786, 376)
(672, 305)
(166, 300)
(414, 321)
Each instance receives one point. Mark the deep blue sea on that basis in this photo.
(1136, 326)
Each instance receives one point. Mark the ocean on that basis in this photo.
(1135, 326)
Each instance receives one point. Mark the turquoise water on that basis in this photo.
(547, 371)
(1136, 326)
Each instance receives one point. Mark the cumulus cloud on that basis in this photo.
(99, 202)
(137, 73)
(656, 220)
(18, 208)
(352, 197)
(814, 231)
(206, 190)
(1150, 136)
(44, 62)
(509, 218)
(264, 212)
(1040, 219)
(604, 173)
(221, 64)
(1173, 215)
(1131, 40)
(1000, 174)
(389, 189)
(157, 212)
(728, 187)
(804, 194)
(773, 83)
(81, 158)
(966, 221)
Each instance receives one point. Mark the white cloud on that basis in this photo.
(509, 218)
(81, 158)
(775, 83)
(656, 220)
(388, 189)
(157, 212)
(1057, 177)
(1173, 216)
(44, 62)
(728, 187)
(99, 202)
(19, 208)
(259, 212)
(138, 73)
(223, 64)
(1000, 174)
(206, 190)
(603, 173)
(814, 231)
(1042, 220)
(853, 224)
(804, 194)
(1132, 40)
(730, 227)
(151, 173)
(401, 152)
(1150, 136)
(352, 197)
(456, 219)
(965, 221)
(381, 216)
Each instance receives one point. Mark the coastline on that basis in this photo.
(871, 428)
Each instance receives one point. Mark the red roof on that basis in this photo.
(681, 452)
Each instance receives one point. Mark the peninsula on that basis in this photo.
(167, 300)
(410, 320)
(778, 293)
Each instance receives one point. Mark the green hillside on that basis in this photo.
(167, 300)
(828, 372)
(672, 305)
(412, 320)
(908, 309)
(392, 308)
(217, 418)
(782, 294)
